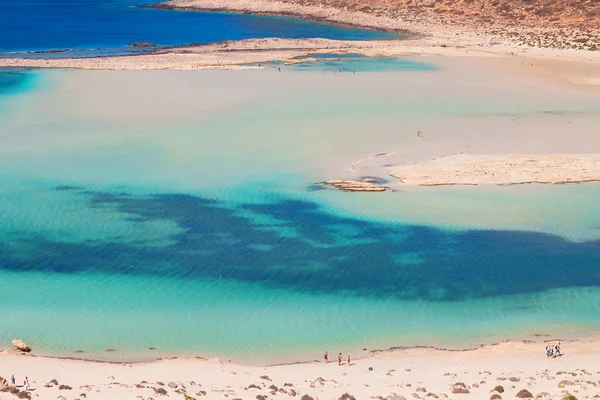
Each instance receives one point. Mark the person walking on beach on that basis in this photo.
(339, 359)
(348, 359)
(12, 379)
(326, 357)
(26, 383)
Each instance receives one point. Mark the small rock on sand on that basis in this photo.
(564, 383)
(21, 346)
(499, 389)
(524, 394)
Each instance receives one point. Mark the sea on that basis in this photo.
(165, 213)
(86, 28)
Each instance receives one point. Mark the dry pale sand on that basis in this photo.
(466, 169)
(422, 373)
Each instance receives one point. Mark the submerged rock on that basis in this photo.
(142, 44)
(21, 346)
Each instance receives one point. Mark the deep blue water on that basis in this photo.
(354, 256)
(30, 25)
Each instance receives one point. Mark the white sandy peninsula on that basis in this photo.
(463, 169)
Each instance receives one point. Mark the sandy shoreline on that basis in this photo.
(412, 373)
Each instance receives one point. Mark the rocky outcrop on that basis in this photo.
(355, 186)
(21, 346)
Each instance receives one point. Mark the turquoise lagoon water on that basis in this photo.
(195, 233)
(350, 63)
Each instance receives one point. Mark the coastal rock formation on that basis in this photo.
(463, 169)
(21, 346)
(356, 186)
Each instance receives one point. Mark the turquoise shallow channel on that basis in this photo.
(194, 230)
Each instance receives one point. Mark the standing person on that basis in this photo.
(326, 356)
(548, 351)
(557, 349)
(26, 383)
(12, 379)
(339, 359)
(348, 359)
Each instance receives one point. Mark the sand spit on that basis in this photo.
(463, 169)
(243, 54)
(253, 53)
(504, 369)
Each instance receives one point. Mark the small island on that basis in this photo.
(464, 169)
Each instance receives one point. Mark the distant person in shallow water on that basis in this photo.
(326, 357)
(339, 359)
(420, 134)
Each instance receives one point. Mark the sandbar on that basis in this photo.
(466, 169)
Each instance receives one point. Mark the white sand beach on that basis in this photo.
(501, 170)
(418, 373)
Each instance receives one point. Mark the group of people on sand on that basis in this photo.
(553, 351)
(339, 357)
(25, 382)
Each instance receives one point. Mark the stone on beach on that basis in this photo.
(3, 384)
(460, 388)
(21, 346)
(524, 394)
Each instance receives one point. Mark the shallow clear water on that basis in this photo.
(31, 25)
(350, 63)
(183, 222)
